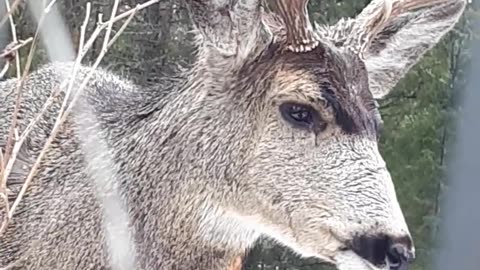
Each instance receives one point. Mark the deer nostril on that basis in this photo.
(399, 257)
(382, 249)
(372, 248)
(394, 257)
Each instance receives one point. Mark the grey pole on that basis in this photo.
(460, 228)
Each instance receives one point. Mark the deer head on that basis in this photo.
(310, 174)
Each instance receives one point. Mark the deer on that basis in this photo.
(272, 132)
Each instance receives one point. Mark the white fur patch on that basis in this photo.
(348, 260)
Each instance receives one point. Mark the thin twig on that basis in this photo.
(63, 115)
(8, 146)
(122, 28)
(2, 74)
(79, 57)
(49, 6)
(16, 147)
(103, 25)
(5, 171)
(55, 92)
(9, 12)
(20, 80)
(18, 143)
(15, 47)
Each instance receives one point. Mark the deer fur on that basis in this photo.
(189, 174)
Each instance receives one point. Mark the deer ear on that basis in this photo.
(229, 27)
(392, 36)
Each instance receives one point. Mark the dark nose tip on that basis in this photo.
(399, 256)
(381, 250)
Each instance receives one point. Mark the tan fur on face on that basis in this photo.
(338, 91)
(236, 263)
(299, 86)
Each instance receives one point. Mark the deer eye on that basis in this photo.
(298, 115)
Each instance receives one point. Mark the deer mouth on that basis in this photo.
(349, 260)
(380, 252)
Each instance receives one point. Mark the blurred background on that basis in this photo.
(419, 115)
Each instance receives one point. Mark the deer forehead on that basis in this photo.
(324, 67)
(338, 90)
(295, 82)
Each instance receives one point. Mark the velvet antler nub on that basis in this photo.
(300, 34)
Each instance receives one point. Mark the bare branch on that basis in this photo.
(13, 133)
(12, 8)
(9, 53)
(13, 47)
(103, 25)
(121, 30)
(10, 140)
(49, 6)
(2, 74)
(14, 36)
(64, 111)
(10, 154)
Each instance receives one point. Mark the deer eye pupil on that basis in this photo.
(298, 115)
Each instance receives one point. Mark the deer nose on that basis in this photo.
(396, 252)
(399, 256)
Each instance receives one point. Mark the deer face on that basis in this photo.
(324, 186)
(315, 179)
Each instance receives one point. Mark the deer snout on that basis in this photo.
(396, 252)
(399, 256)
